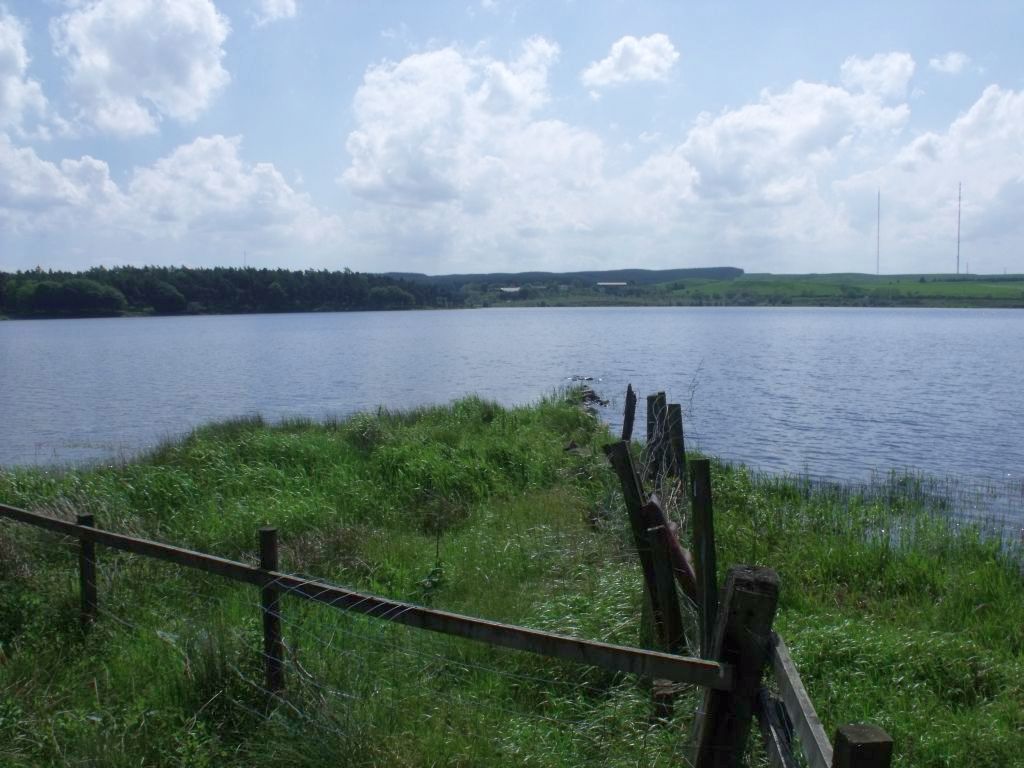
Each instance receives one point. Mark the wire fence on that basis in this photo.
(363, 683)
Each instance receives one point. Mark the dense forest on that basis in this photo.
(179, 290)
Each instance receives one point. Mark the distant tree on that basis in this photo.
(391, 297)
(277, 298)
(165, 298)
(81, 296)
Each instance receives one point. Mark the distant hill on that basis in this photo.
(632, 276)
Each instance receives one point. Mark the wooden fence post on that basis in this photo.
(668, 616)
(629, 415)
(743, 639)
(657, 434)
(273, 646)
(87, 573)
(703, 521)
(652, 420)
(632, 492)
(676, 447)
(682, 561)
(671, 617)
(861, 746)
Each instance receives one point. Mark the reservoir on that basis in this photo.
(830, 392)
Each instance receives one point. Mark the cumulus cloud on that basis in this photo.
(446, 125)
(774, 151)
(951, 63)
(632, 59)
(884, 74)
(454, 158)
(205, 187)
(133, 62)
(37, 194)
(455, 161)
(275, 10)
(23, 107)
(981, 148)
(199, 202)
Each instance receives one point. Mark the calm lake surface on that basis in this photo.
(831, 392)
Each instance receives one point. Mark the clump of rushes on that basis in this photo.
(476, 508)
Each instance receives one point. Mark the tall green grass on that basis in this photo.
(893, 617)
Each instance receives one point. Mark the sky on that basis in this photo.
(511, 135)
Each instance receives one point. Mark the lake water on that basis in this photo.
(831, 392)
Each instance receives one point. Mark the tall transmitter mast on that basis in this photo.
(878, 233)
(959, 197)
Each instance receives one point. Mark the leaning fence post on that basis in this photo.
(652, 420)
(667, 613)
(704, 550)
(657, 436)
(742, 639)
(677, 448)
(87, 573)
(273, 646)
(861, 746)
(629, 415)
(633, 495)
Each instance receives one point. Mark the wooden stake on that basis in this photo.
(632, 492)
(743, 637)
(629, 415)
(862, 746)
(677, 449)
(87, 574)
(704, 551)
(273, 645)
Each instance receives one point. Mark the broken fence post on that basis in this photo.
(632, 492)
(676, 446)
(743, 639)
(861, 746)
(629, 415)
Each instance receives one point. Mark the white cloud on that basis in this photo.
(633, 59)
(884, 74)
(37, 195)
(774, 151)
(440, 125)
(133, 62)
(275, 10)
(23, 107)
(206, 188)
(951, 63)
(455, 163)
(982, 149)
(196, 204)
(454, 160)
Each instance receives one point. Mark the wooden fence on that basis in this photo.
(737, 642)
(735, 623)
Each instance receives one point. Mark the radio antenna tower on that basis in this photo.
(959, 197)
(878, 234)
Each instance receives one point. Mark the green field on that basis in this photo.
(854, 290)
(891, 616)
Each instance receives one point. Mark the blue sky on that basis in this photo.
(510, 135)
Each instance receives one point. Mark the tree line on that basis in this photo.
(109, 291)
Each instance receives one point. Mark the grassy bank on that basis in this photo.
(826, 290)
(482, 510)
